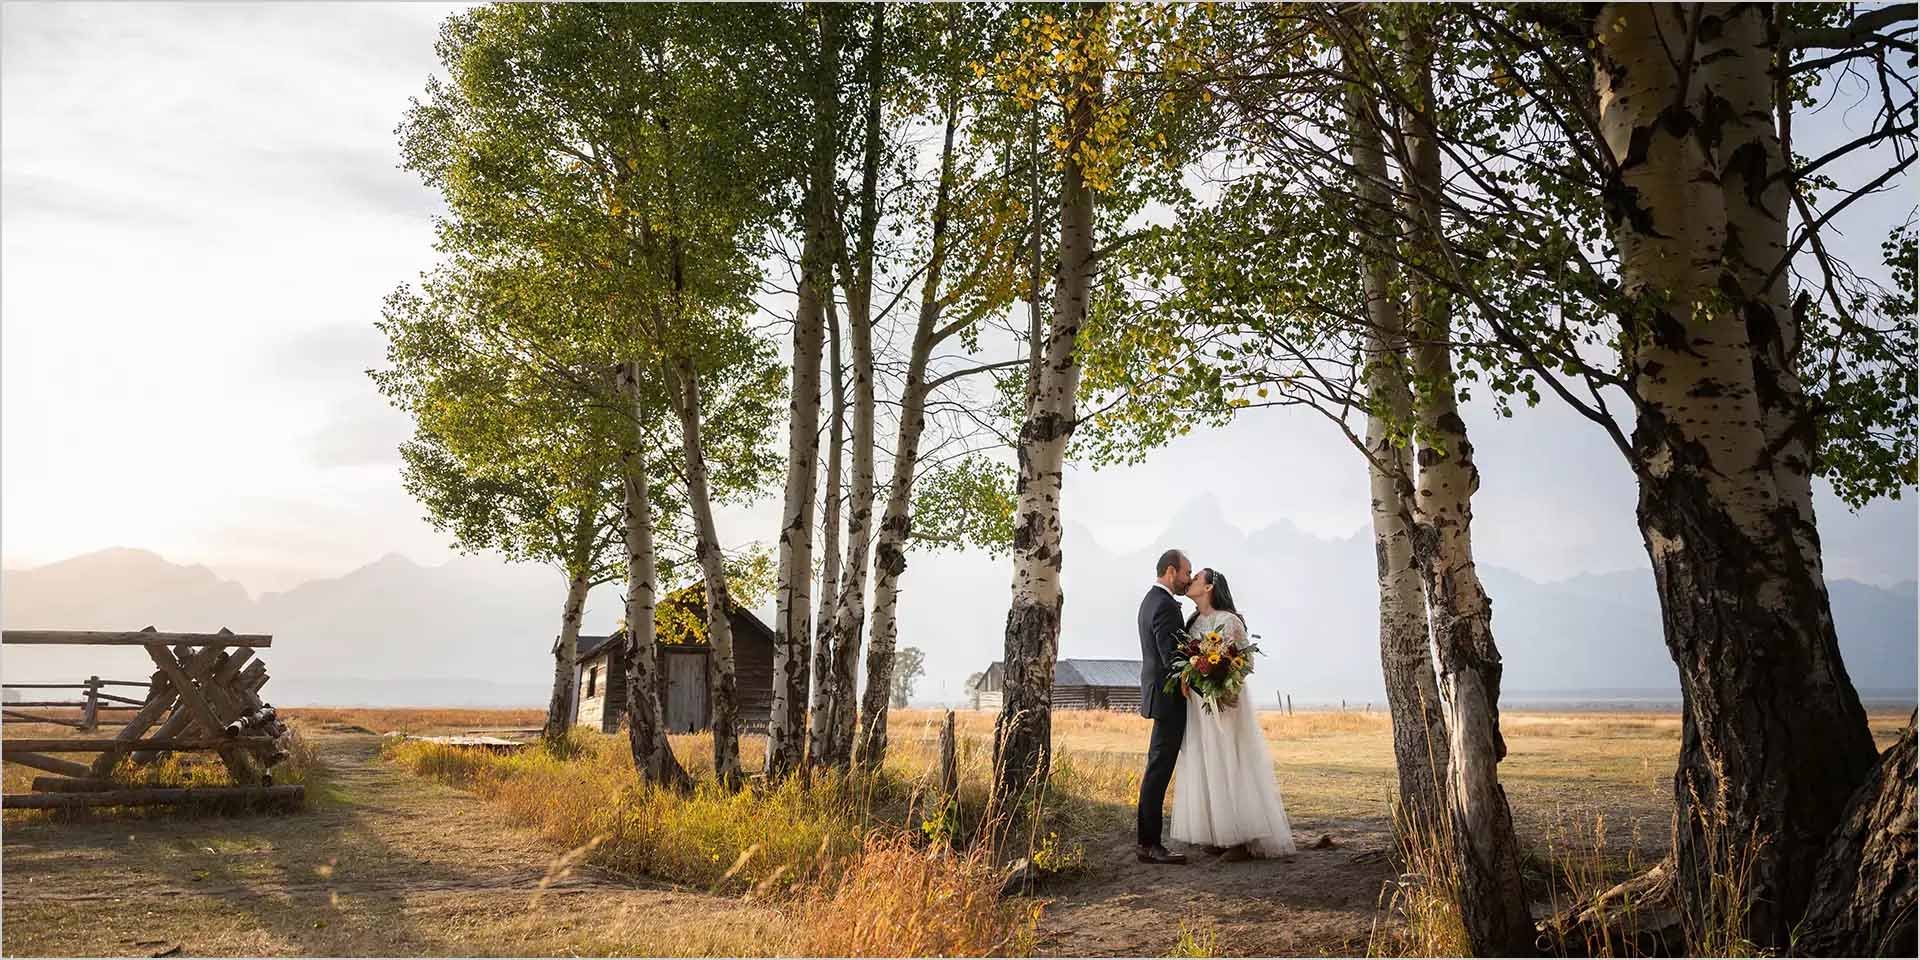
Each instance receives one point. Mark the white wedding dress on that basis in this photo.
(1223, 784)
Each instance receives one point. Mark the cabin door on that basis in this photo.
(687, 692)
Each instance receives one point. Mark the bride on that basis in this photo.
(1224, 795)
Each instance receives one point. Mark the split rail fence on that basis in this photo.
(204, 696)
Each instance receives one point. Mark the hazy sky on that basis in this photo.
(202, 212)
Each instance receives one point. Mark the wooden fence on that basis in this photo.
(204, 696)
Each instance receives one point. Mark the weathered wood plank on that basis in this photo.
(134, 638)
(289, 794)
(98, 744)
(30, 718)
(65, 768)
(130, 705)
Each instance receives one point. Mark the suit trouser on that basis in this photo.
(1163, 749)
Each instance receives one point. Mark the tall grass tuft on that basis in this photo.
(1419, 913)
(1714, 921)
(586, 792)
(898, 899)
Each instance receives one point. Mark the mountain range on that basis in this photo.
(476, 631)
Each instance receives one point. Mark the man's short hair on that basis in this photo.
(1172, 559)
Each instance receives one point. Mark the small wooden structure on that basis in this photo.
(686, 668)
(204, 696)
(1077, 685)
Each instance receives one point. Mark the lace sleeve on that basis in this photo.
(1235, 629)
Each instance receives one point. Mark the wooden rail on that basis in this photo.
(102, 745)
(204, 696)
(133, 638)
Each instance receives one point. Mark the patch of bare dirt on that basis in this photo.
(1322, 901)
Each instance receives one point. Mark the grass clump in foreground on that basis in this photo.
(844, 857)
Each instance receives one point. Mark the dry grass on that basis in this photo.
(420, 720)
(901, 899)
(846, 856)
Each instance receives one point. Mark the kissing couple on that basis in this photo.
(1225, 800)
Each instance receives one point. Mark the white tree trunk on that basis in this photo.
(1493, 900)
(1023, 734)
(684, 383)
(1406, 657)
(646, 722)
(1774, 740)
(566, 651)
(850, 613)
(890, 553)
(820, 707)
(793, 591)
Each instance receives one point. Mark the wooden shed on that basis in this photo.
(1077, 685)
(600, 676)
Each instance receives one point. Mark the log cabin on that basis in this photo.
(686, 668)
(1077, 685)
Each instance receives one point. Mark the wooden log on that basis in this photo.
(106, 698)
(287, 794)
(72, 785)
(66, 768)
(77, 704)
(239, 765)
(97, 744)
(43, 686)
(230, 667)
(134, 638)
(19, 717)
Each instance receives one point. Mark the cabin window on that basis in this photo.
(593, 681)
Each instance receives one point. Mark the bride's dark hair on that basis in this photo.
(1222, 595)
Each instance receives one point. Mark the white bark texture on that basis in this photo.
(646, 722)
(1493, 900)
(850, 614)
(1406, 657)
(723, 698)
(793, 589)
(1023, 734)
(579, 581)
(820, 698)
(1774, 740)
(890, 552)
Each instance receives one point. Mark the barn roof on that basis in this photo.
(679, 619)
(1084, 673)
(1097, 673)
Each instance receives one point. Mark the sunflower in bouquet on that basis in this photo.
(1213, 666)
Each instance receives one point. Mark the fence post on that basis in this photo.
(90, 714)
(949, 762)
(1289, 704)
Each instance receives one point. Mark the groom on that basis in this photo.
(1160, 626)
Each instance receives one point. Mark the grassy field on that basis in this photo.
(833, 866)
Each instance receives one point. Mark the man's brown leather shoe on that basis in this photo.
(1158, 854)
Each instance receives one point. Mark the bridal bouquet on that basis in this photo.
(1213, 667)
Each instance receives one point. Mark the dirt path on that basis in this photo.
(388, 864)
(392, 864)
(1320, 902)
